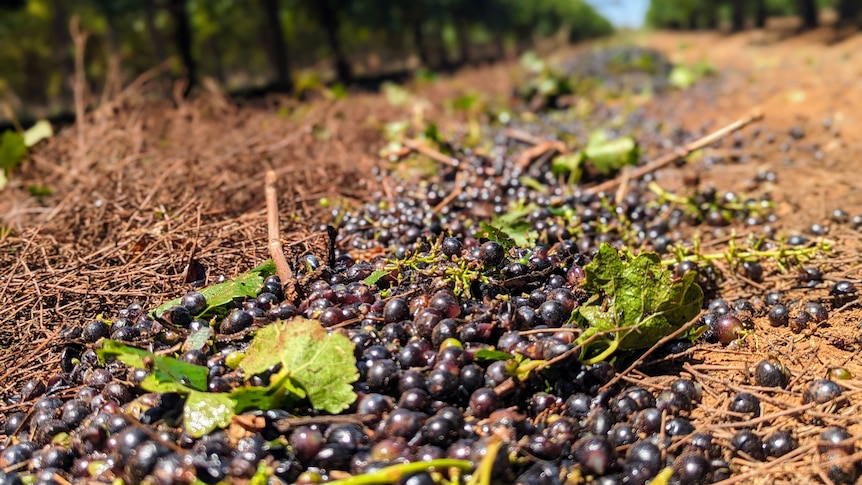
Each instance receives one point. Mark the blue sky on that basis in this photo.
(622, 13)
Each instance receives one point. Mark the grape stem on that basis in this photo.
(392, 474)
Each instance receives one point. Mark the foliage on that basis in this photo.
(14, 146)
(636, 299)
(314, 365)
(233, 41)
(604, 155)
(220, 295)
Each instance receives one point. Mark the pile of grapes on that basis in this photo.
(470, 304)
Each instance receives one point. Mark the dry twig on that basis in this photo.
(679, 153)
(275, 250)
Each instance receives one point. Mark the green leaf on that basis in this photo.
(171, 370)
(568, 163)
(205, 411)
(38, 132)
(497, 235)
(245, 285)
(12, 150)
(321, 364)
(39, 190)
(492, 355)
(608, 156)
(375, 276)
(198, 340)
(639, 297)
(682, 77)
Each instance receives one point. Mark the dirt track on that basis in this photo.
(148, 185)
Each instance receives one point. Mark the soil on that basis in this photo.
(141, 186)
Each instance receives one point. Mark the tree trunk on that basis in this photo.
(331, 24)
(277, 45)
(62, 55)
(760, 14)
(710, 14)
(737, 15)
(463, 31)
(419, 44)
(808, 13)
(183, 39)
(155, 37)
(848, 12)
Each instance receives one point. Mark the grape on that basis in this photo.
(728, 328)
(483, 402)
(491, 253)
(692, 469)
(836, 437)
(745, 403)
(95, 330)
(779, 315)
(595, 454)
(821, 391)
(646, 453)
(749, 443)
(779, 443)
(770, 373)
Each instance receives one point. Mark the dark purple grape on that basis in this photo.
(647, 421)
(843, 288)
(836, 437)
(678, 427)
(687, 388)
(771, 373)
(194, 302)
(491, 253)
(821, 391)
(445, 302)
(32, 389)
(692, 469)
(839, 469)
(376, 404)
(622, 434)
(15, 423)
(553, 313)
(647, 453)
(779, 315)
(595, 454)
(747, 442)
(236, 321)
(382, 374)
(779, 443)
(673, 403)
(745, 403)
(95, 330)
(817, 312)
(306, 442)
(483, 402)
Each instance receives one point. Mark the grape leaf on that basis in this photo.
(608, 156)
(245, 285)
(321, 364)
(635, 298)
(206, 411)
(164, 368)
